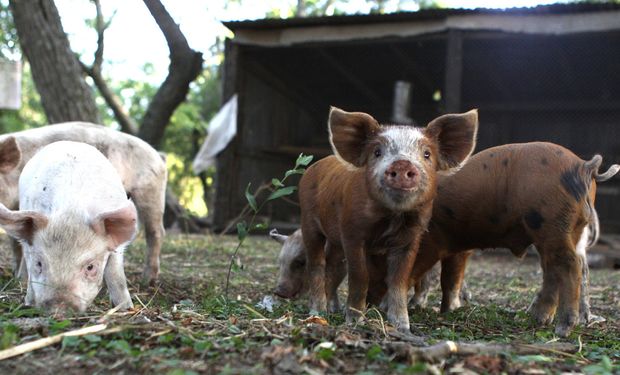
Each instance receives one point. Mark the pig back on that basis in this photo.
(65, 175)
(502, 188)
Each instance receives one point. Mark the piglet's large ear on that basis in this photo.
(21, 225)
(119, 226)
(348, 134)
(10, 154)
(455, 135)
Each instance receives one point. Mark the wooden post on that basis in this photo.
(401, 113)
(454, 72)
(227, 165)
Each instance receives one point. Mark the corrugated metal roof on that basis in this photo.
(423, 15)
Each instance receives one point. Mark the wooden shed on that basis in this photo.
(548, 73)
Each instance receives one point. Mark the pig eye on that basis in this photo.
(90, 270)
(427, 154)
(378, 152)
(39, 267)
(299, 263)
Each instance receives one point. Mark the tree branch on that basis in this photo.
(185, 66)
(128, 125)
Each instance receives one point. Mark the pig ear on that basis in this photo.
(21, 224)
(349, 133)
(277, 236)
(455, 135)
(119, 226)
(10, 154)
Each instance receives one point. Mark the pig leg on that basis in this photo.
(151, 214)
(358, 277)
(423, 275)
(423, 287)
(561, 287)
(116, 282)
(569, 270)
(452, 273)
(543, 307)
(334, 274)
(585, 316)
(315, 263)
(400, 265)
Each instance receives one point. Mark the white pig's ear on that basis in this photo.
(349, 133)
(277, 236)
(10, 154)
(21, 225)
(119, 226)
(455, 135)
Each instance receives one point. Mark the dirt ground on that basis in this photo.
(185, 325)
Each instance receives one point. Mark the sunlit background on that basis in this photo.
(136, 59)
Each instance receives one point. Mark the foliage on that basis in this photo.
(280, 190)
(31, 114)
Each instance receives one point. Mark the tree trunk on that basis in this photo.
(185, 66)
(65, 96)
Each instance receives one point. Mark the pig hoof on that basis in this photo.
(542, 319)
(419, 302)
(333, 308)
(150, 278)
(126, 305)
(565, 323)
(354, 316)
(563, 330)
(403, 327)
(541, 314)
(317, 308)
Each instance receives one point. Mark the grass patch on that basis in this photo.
(185, 326)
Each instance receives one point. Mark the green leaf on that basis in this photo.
(303, 160)
(294, 171)
(70, 342)
(242, 230)
(374, 352)
(259, 226)
(277, 183)
(281, 192)
(250, 198)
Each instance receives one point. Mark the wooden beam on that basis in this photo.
(228, 160)
(454, 71)
(547, 105)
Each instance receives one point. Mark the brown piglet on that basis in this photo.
(514, 196)
(373, 200)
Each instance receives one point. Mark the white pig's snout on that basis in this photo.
(61, 305)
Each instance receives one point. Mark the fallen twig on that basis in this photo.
(443, 350)
(47, 341)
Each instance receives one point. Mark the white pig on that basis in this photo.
(74, 221)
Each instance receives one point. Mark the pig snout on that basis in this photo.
(60, 307)
(284, 291)
(402, 175)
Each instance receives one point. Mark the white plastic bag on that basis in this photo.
(222, 129)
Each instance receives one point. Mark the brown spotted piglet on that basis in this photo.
(374, 198)
(513, 196)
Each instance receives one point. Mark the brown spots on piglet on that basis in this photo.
(573, 183)
(534, 219)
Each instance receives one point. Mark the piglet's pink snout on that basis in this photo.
(402, 175)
